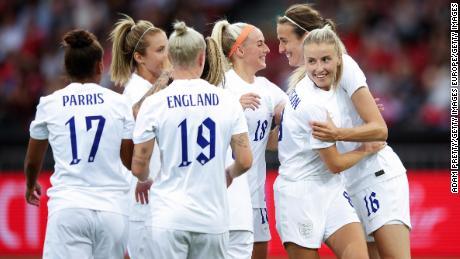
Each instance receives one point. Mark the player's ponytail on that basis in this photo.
(296, 77)
(225, 35)
(213, 70)
(128, 37)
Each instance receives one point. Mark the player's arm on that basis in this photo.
(140, 169)
(272, 143)
(141, 158)
(337, 162)
(242, 153)
(126, 152)
(160, 84)
(33, 162)
(373, 129)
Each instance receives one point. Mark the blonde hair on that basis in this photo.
(213, 69)
(324, 35)
(225, 35)
(185, 44)
(128, 38)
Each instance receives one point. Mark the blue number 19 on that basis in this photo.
(201, 141)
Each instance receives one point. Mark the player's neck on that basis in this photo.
(146, 75)
(244, 72)
(94, 80)
(186, 74)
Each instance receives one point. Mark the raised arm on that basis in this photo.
(33, 162)
(373, 129)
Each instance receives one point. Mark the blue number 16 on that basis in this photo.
(97, 137)
(373, 205)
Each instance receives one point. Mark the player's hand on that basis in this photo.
(142, 191)
(33, 195)
(325, 131)
(250, 100)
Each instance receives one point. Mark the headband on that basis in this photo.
(140, 38)
(243, 35)
(296, 24)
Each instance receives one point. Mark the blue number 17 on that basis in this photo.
(97, 137)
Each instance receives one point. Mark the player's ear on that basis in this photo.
(138, 57)
(100, 67)
(201, 58)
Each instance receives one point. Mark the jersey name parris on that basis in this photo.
(85, 124)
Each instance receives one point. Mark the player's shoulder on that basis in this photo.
(349, 63)
(263, 81)
(54, 96)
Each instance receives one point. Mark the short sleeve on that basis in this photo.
(353, 77)
(128, 123)
(38, 128)
(146, 121)
(316, 113)
(240, 124)
(277, 95)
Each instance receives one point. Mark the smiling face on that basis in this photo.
(255, 50)
(322, 63)
(290, 44)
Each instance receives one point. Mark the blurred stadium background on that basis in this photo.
(402, 46)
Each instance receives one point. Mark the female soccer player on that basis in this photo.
(311, 203)
(194, 122)
(89, 128)
(378, 184)
(139, 56)
(243, 50)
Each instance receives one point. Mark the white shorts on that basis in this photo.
(308, 212)
(177, 244)
(85, 233)
(136, 238)
(240, 244)
(383, 203)
(261, 226)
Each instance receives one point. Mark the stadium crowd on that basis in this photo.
(400, 45)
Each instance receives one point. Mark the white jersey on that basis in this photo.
(135, 89)
(259, 123)
(193, 122)
(85, 124)
(386, 159)
(297, 148)
(239, 200)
